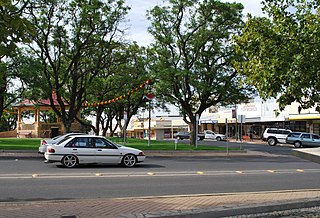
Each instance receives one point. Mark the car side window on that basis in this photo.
(305, 136)
(272, 131)
(295, 135)
(80, 143)
(102, 143)
(315, 137)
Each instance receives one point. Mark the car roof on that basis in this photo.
(277, 128)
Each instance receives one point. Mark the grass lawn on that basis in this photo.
(33, 144)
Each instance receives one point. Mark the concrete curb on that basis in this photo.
(306, 155)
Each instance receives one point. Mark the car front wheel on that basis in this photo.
(272, 141)
(69, 161)
(218, 139)
(297, 144)
(129, 160)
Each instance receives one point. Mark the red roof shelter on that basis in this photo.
(40, 128)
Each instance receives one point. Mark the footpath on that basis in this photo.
(242, 204)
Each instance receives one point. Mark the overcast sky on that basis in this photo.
(138, 22)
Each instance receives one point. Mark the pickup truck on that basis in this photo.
(208, 134)
(186, 135)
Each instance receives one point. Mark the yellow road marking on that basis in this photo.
(271, 171)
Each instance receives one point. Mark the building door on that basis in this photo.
(54, 131)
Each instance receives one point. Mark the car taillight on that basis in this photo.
(51, 150)
(141, 154)
(44, 142)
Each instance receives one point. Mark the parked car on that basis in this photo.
(88, 149)
(186, 135)
(275, 135)
(208, 134)
(45, 142)
(303, 139)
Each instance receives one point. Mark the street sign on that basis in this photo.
(241, 118)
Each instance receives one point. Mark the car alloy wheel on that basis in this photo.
(129, 160)
(69, 161)
(218, 139)
(272, 141)
(297, 144)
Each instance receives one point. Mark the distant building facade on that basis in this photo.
(235, 121)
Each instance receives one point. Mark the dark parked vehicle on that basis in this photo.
(186, 135)
(303, 139)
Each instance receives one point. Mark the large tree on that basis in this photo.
(193, 54)
(126, 73)
(13, 28)
(281, 52)
(73, 41)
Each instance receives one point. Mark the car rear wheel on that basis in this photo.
(129, 160)
(69, 161)
(179, 138)
(272, 141)
(297, 144)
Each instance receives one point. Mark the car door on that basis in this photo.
(306, 139)
(83, 148)
(209, 135)
(106, 152)
(315, 140)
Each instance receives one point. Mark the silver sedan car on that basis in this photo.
(89, 149)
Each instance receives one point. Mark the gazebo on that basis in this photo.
(39, 128)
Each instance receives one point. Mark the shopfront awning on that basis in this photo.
(304, 117)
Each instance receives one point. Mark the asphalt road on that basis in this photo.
(31, 179)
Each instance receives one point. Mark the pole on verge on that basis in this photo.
(197, 121)
(227, 136)
(149, 128)
(125, 127)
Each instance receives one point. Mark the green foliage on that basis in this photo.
(14, 30)
(281, 53)
(8, 121)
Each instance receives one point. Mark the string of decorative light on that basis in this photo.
(94, 104)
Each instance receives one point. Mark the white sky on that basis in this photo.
(138, 22)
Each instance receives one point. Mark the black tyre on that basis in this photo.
(129, 160)
(69, 161)
(297, 144)
(179, 138)
(272, 141)
(218, 138)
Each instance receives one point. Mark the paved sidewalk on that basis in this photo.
(209, 205)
